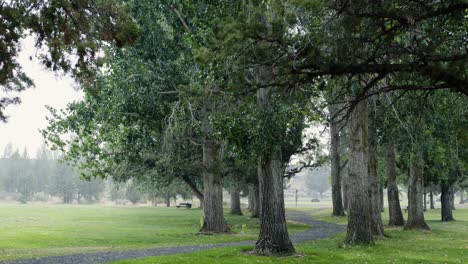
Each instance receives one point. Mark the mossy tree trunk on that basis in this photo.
(344, 184)
(359, 220)
(415, 194)
(274, 237)
(373, 177)
(213, 214)
(337, 199)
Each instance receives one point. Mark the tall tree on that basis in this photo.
(394, 208)
(373, 177)
(336, 170)
(415, 193)
(359, 218)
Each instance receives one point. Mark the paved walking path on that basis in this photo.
(318, 230)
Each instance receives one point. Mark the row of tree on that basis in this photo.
(26, 179)
(214, 93)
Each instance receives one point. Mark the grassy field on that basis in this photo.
(446, 243)
(42, 230)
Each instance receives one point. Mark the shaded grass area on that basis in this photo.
(446, 243)
(43, 230)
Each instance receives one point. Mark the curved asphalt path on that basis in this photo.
(318, 230)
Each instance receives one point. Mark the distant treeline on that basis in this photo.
(46, 177)
(25, 179)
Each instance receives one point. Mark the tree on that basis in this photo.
(394, 208)
(132, 193)
(63, 182)
(317, 180)
(336, 167)
(374, 179)
(90, 190)
(42, 169)
(415, 192)
(234, 191)
(359, 222)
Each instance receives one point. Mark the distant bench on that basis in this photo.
(184, 205)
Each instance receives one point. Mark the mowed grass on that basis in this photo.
(41, 230)
(446, 243)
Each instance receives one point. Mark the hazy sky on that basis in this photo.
(25, 120)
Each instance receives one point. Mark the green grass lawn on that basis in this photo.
(446, 243)
(42, 230)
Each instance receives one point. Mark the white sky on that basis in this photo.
(25, 120)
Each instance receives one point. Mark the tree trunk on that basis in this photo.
(192, 185)
(415, 196)
(344, 180)
(359, 220)
(452, 197)
(462, 199)
(254, 199)
(213, 214)
(274, 237)
(235, 199)
(431, 199)
(201, 201)
(168, 201)
(335, 162)
(250, 199)
(445, 200)
(424, 202)
(373, 177)
(394, 208)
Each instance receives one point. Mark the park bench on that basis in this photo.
(185, 205)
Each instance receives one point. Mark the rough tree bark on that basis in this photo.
(213, 215)
(254, 200)
(274, 237)
(394, 208)
(338, 209)
(445, 200)
(344, 177)
(373, 177)
(359, 220)
(235, 199)
(415, 194)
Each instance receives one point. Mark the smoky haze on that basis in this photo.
(25, 119)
